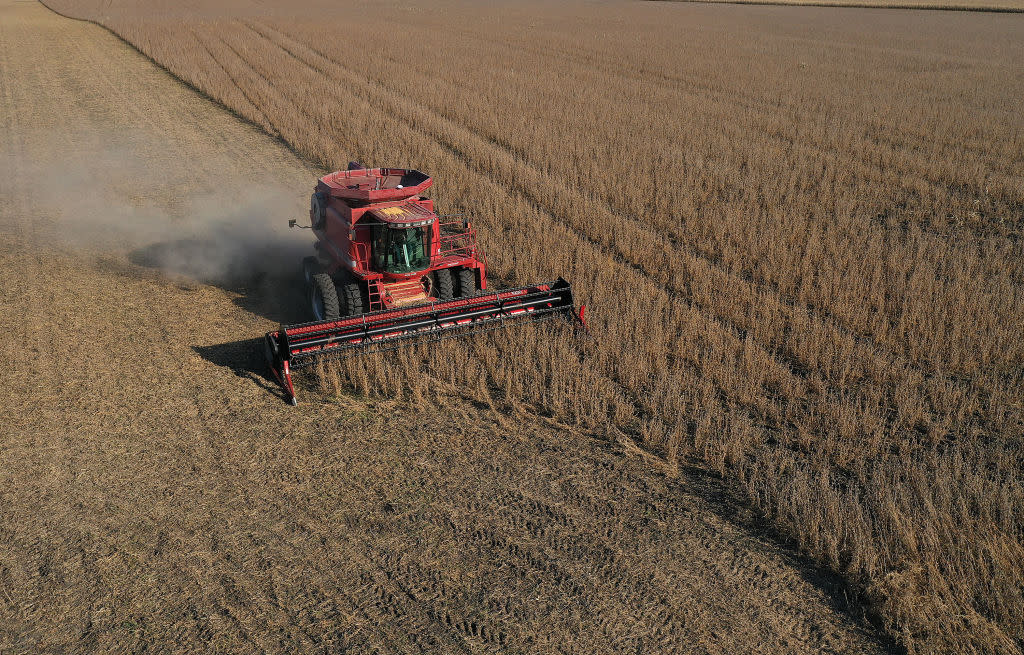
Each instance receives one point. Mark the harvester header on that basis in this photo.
(389, 270)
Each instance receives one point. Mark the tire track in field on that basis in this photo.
(609, 248)
(531, 542)
(366, 585)
(362, 589)
(405, 590)
(256, 108)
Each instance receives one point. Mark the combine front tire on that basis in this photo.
(466, 280)
(324, 298)
(445, 286)
(351, 297)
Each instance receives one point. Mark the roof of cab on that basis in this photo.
(406, 214)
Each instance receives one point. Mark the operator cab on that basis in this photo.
(400, 250)
(401, 238)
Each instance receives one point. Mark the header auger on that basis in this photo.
(388, 271)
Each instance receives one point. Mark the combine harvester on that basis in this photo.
(388, 270)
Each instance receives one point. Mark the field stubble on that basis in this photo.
(798, 231)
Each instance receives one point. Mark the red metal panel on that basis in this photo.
(376, 184)
(459, 304)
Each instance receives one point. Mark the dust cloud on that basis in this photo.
(227, 240)
(116, 199)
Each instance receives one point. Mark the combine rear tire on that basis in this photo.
(466, 280)
(324, 298)
(445, 287)
(351, 297)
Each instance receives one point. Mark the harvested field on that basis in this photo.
(798, 230)
(155, 495)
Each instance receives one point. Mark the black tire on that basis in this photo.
(465, 280)
(445, 286)
(310, 267)
(318, 209)
(351, 296)
(324, 298)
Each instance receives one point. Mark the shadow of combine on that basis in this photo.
(246, 360)
(264, 279)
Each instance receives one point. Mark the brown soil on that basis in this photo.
(156, 494)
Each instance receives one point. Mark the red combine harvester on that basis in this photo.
(389, 270)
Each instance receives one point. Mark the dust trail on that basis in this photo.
(227, 240)
(114, 198)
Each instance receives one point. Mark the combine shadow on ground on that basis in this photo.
(246, 359)
(264, 279)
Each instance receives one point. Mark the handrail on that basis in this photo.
(361, 254)
(456, 239)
